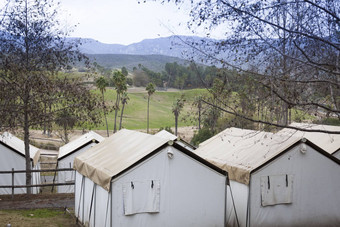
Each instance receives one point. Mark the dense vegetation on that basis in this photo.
(116, 61)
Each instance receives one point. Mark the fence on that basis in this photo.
(53, 184)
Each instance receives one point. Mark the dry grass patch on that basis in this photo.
(37, 217)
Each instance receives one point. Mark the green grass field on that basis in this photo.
(135, 112)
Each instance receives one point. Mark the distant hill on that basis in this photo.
(151, 53)
(154, 53)
(117, 61)
(173, 46)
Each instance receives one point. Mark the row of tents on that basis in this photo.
(12, 150)
(236, 178)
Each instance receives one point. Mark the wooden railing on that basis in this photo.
(13, 172)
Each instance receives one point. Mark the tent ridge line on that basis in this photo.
(84, 145)
(146, 157)
(16, 151)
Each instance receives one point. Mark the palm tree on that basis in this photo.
(124, 99)
(150, 89)
(119, 81)
(176, 109)
(101, 84)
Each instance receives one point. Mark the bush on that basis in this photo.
(129, 81)
(328, 121)
(201, 136)
(140, 78)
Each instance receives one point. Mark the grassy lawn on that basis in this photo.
(37, 217)
(135, 112)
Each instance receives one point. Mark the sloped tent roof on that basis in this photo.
(329, 142)
(166, 135)
(115, 154)
(18, 146)
(122, 151)
(78, 143)
(240, 151)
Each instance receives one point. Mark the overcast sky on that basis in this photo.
(124, 21)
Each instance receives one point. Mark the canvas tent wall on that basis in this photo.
(136, 179)
(12, 153)
(66, 155)
(328, 142)
(276, 180)
(337, 154)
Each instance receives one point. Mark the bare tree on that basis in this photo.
(32, 52)
(290, 48)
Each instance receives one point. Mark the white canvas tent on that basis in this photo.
(276, 180)
(66, 155)
(328, 142)
(137, 179)
(12, 155)
(167, 135)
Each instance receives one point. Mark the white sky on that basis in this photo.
(124, 21)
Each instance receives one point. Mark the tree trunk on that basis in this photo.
(49, 125)
(199, 114)
(121, 117)
(147, 121)
(107, 126)
(66, 134)
(27, 151)
(176, 123)
(116, 113)
(45, 113)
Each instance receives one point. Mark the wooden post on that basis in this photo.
(12, 183)
(55, 173)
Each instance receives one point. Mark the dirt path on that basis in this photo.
(36, 201)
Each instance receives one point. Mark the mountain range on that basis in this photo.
(173, 46)
(151, 53)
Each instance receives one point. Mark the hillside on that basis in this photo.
(117, 61)
(173, 46)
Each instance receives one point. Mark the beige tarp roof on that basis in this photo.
(328, 142)
(166, 135)
(115, 154)
(77, 143)
(19, 145)
(239, 151)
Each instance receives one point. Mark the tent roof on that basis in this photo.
(115, 154)
(328, 142)
(240, 151)
(17, 145)
(78, 143)
(166, 135)
(123, 150)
